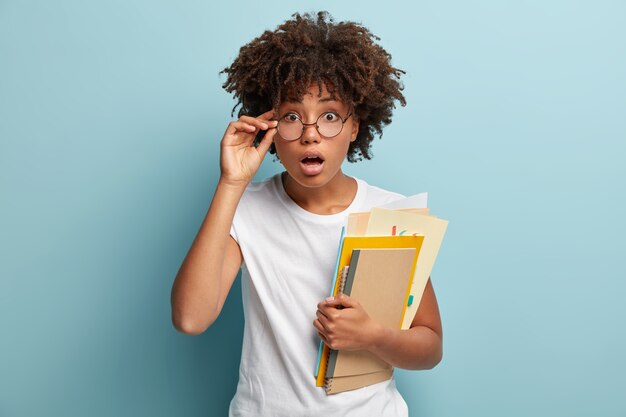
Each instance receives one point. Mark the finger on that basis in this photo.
(326, 309)
(258, 124)
(239, 126)
(341, 300)
(266, 142)
(331, 314)
(346, 300)
(262, 124)
(323, 319)
(319, 327)
(267, 115)
(322, 337)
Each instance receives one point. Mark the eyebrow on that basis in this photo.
(322, 100)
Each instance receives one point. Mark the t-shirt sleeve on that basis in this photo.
(233, 232)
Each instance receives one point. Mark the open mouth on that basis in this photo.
(312, 160)
(312, 164)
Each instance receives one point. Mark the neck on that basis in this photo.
(331, 198)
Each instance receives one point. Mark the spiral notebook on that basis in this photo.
(379, 279)
(407, 219)
(361, 264)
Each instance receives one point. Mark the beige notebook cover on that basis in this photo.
(348, 383)
(380, 280)
(350, 243)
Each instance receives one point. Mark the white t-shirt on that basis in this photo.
(289, 259)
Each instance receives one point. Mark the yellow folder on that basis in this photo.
(350, 243)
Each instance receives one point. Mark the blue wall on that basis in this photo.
(110, 119)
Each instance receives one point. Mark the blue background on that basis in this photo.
(111, 115)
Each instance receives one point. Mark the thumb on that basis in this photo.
(341, 299)
(267, 140)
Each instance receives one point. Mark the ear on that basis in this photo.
(355, 129)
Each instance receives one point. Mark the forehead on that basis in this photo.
(313, 98)
(313, 95)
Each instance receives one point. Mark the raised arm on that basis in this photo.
(211, 265)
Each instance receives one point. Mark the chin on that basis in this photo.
(312, 181)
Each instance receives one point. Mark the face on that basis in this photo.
(314, 160)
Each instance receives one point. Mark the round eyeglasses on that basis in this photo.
(330, 124)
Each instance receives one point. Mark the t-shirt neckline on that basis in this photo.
(293, 207)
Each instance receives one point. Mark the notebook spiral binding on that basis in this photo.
(328, 382)
(342, 279)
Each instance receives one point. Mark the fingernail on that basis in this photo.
(329, 299)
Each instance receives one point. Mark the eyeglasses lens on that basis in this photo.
(328, 125)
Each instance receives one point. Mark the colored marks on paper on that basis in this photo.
(394, 232)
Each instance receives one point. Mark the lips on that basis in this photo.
(312, 160)
(312, 155)
(312, 163)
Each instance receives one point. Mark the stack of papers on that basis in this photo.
(385, 259)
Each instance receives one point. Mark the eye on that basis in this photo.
(291, 117)
(330, 117)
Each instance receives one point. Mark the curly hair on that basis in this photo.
(283, 63)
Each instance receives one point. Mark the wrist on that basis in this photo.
(232, 185)
(379, 334)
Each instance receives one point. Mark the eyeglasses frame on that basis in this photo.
(317, 128)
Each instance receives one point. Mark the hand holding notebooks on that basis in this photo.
(339, 371)
(371, 280)
(401, 276)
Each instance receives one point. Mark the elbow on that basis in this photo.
(190, 319)
(426, 364)
(188, 328)
(437, 356)
(430, 359)
(436, 351)
(191, 326)
(436, 360)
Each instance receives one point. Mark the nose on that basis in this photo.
(310, 134)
